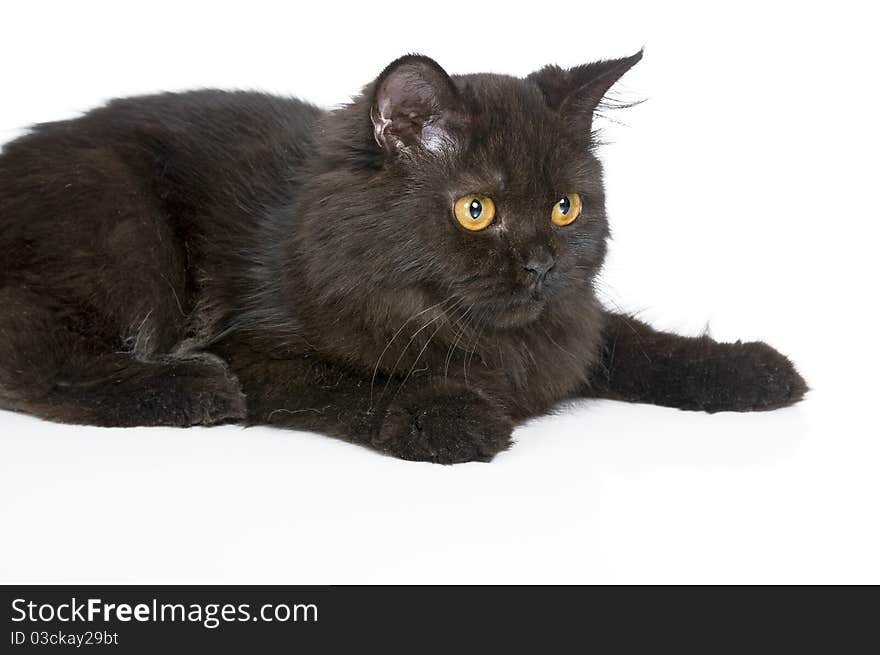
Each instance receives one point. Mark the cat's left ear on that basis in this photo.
(579, 90)
(415, 104)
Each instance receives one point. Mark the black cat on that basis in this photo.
(413, 271)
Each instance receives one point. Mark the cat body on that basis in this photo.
(213, 257)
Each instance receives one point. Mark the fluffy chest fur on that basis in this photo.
(401, 338)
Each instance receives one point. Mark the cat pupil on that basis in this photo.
(476, 209)
(565, 205)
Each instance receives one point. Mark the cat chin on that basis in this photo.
(507, 316)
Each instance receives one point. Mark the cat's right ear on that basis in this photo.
(415, 105)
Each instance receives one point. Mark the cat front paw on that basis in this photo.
(444, 428)
(199, 392)
(751, 377)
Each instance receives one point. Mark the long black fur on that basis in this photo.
(213, 257)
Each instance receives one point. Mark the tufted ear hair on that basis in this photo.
(579, 90)
(415, 104)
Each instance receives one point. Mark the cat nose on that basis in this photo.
(539, 265)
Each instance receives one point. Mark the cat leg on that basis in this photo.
(640, 364)
(435, 421)
(51, 371)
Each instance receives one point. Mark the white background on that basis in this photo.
(742, 194)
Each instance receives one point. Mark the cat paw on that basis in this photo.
(197, 393)
(446, 429)
(751, 377)
(221, 402)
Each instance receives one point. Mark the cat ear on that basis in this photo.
(415, 103)
(580, 89)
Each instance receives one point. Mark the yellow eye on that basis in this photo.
(566, 210)
(474, 212)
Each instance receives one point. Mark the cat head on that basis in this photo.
(479, 189)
